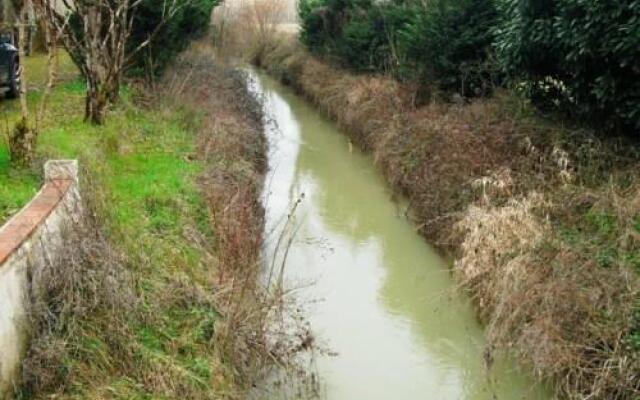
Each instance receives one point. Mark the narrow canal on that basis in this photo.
(375, 293)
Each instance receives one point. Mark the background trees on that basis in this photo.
(443, 43)
(360, 34)
(577, 57)
(448, 43)
(189, 22)
(105, 38)
(581, 57)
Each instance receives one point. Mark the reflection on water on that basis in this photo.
(381, 298)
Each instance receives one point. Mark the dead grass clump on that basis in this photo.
(556, 307)
(84, 300)
(434, 155)
(110, 326)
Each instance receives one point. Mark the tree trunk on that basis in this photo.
(114, 90)
(96, 104)
(22, 56)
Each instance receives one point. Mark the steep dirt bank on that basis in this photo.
(543, 221)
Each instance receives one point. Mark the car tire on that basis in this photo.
(14, 79)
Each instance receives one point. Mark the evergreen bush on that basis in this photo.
(581, 57)
(189, 23)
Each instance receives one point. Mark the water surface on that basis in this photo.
(376, 294)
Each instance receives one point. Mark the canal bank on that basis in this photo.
(380, 301)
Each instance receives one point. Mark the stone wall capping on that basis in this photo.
(22, 225)
(55, 170)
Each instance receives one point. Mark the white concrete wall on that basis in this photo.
(13, 282)
(19, 272)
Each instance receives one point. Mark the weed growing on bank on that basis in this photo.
(85, 280)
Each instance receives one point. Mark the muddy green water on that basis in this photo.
(375, 293)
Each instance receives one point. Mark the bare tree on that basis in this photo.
(250, 25)
(95, 34)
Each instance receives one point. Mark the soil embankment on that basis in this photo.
(543, 221)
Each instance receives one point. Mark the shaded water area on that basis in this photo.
(376, 295)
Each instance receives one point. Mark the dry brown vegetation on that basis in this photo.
(87, 277)
(233, 145)
(543, 220)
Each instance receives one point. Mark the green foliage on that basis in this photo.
(448, 44)
(580, 57)
(361, 34)
(189, 23)
(577, 56)
(17, 186)
(445, 43)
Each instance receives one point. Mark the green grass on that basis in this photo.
(596, 235)
(140, 159)
(140, 155)
(17, 187)
(142, 163)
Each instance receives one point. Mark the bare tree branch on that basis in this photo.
(96, 34)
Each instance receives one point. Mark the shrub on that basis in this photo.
(577, 56)
(189, 23)
(447, 44)
(360, 34)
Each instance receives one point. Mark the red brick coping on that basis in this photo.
(20, 228)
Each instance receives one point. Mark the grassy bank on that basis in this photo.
(142, 303)
(543, 220)
(17, 187)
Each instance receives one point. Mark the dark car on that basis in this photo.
(9, 67)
